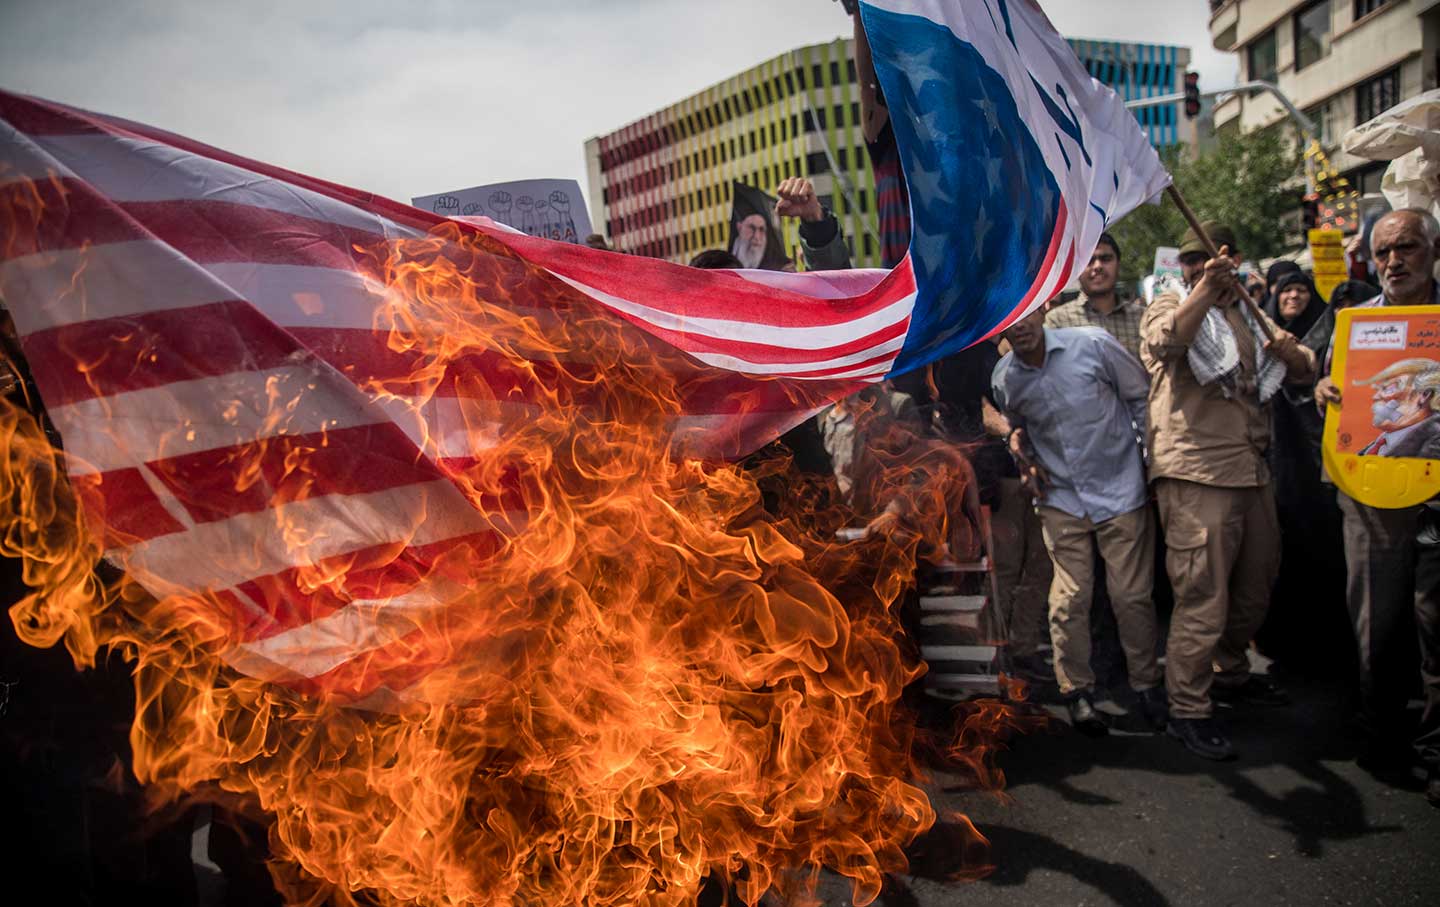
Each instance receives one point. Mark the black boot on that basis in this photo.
(1203, 737)
(1154, 708)
(1083, 716)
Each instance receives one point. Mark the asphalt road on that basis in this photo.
(1136, 819)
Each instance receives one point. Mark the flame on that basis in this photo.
(655, 670)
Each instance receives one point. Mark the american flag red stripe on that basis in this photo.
(167, 294)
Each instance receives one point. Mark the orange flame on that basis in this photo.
(642, 679)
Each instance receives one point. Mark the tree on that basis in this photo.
(1246, 182)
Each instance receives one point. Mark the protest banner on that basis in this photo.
(1167, 263)
(1327, 252)
(549, 209)
(1382, 444)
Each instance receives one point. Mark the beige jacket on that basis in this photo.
(1196, 433)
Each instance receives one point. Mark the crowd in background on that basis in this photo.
(1152, 473)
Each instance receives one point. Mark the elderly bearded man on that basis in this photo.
(1393, 556)
(1076, 401)
(1212, 379)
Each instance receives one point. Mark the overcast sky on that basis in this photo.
(410, 97)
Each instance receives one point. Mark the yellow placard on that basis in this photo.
(1382, 444)
(1327, 252)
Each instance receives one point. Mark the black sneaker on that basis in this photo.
(1203, 737)
(1255, 691)
(1083, 716)
(1432, 788)
(1154, 707)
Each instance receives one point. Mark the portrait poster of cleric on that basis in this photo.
(754, 233)
(1392, 368)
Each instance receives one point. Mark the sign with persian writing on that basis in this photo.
(1382, 443)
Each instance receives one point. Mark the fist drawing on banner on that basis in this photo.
(472, 208)
(447, 206)
(500, 205)
(564, 222)
(525, 205)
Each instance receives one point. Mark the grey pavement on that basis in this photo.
(1136, 819)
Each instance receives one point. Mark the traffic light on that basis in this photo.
(1192, 95)
(1310, 211)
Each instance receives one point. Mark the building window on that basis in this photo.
(1376, 96)
(850, 71)
(1312, 33)
(834, 72)
(1366, 7)
(820, 117)
(1323, 116)
(842, 158)
(817, 163)
(1263, 57)
(817, 76)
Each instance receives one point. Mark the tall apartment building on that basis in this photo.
(1340, 61)
(660, 186)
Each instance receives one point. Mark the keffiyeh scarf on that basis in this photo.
(1215, 356)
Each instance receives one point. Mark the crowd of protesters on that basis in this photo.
(1192, 425)
(1135, 454)
(1110, 436)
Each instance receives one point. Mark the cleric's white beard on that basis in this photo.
(750, 258)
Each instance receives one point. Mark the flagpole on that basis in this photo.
(1189, 214)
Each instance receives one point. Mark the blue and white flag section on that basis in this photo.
(1015, 157)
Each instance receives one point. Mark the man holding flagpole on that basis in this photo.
(1212, 378)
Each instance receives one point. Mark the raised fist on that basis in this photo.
(447, 206)
(500, 204)
(560, 201)
(471, 209)
(798, 199)
(525, 205)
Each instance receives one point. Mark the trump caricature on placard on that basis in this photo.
(1405, 409)
(1382, 444)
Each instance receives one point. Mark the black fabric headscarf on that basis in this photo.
(1278, 270)
(1301, 324)
(1352, 292)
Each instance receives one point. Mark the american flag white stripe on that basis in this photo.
(362, 626)
(304, 533)
(131, 430)
(129, 170)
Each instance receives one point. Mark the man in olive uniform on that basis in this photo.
(1212, 374)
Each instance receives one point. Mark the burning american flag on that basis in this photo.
(474, 482)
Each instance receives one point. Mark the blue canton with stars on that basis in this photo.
(984, 203)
